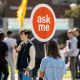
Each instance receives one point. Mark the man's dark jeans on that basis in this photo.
(4, 70)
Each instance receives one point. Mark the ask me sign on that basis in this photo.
(43, 22)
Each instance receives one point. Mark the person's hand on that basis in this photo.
(66, 54)
(26, 72)
(18, 48)
(65, 50)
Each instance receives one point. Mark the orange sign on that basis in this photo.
(43, 22)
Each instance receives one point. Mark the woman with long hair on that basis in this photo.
(52, 67)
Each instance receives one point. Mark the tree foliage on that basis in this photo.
(73, 13)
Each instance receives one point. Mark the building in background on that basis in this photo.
(59, 7)
(63, 2)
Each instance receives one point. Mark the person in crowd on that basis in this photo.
(72, 52)
(52, 67)
(39, 47)
(66, 48)
(77, 34)
(3, 61)
(11, 42)
(26, 56)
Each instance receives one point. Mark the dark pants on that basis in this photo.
(4, 70)
(19, 75)
(73, 67)
(66, 60)
(35, 70)
(77, 67)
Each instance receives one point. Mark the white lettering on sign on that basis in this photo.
(43, 27)
(43, 23)
(45, 19)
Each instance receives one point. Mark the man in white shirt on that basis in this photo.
(11, 42)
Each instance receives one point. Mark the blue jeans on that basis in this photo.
(20, 75)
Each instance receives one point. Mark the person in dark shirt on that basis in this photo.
(3, 54)
(77, 34)
(26, 56)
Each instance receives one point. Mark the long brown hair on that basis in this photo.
(53, 49)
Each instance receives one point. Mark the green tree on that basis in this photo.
(3, 6)
(78, 1)
(73, 13)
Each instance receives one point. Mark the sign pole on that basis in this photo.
(45, 49)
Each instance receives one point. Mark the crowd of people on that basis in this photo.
(31, 59)
(72, 52)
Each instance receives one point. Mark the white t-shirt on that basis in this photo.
(10, 42)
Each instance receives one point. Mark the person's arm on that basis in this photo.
(42, 68)
(32, 60)
(41, 75)
(19, 47)
(32, 53)
(14, 46)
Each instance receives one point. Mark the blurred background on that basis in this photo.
(67, 13)
(67, 17)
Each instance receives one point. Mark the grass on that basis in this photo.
(68, 74)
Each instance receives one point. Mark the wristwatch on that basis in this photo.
(28, 69)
